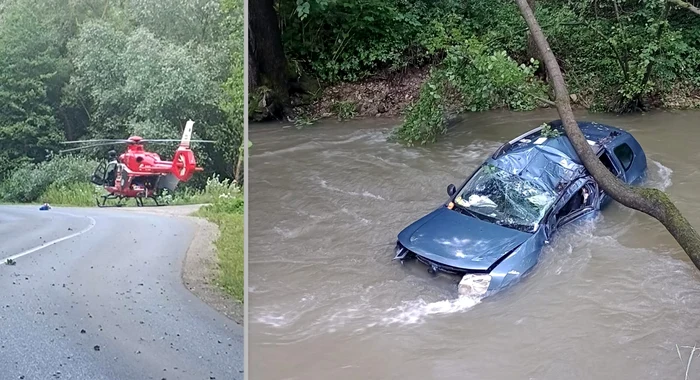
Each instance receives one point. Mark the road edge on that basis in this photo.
(200, 269)
(200, 263)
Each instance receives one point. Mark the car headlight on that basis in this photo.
(474, 284)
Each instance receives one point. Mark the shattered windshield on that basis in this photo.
(507, 198)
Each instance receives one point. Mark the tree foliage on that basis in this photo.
(108, 69)
(30, 83)
(617, 55)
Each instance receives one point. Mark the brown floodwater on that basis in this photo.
(613, 296)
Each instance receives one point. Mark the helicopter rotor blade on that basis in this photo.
(173, 140)
(112, 141)
(85, 147)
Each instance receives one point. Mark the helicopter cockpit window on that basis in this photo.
(98, 176)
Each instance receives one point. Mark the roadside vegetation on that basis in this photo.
(426, 60)
(227, 212)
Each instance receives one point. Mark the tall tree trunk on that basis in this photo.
(268, 54)
(652, 202)
(532, 51)
(252, 63)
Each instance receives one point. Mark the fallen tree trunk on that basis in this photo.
(652, 202)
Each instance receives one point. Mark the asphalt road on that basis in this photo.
(97, 294)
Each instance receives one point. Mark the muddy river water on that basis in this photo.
(611, 296)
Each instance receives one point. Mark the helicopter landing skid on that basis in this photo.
(121, 200)
(107, 197)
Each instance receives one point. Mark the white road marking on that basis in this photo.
(52, 242)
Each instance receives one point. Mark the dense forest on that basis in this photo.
(423, 59)
(84, 69)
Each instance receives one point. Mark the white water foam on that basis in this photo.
(354, 215)
(365, 194)
(664, 175)
(477, 151)
(408, 313)
(373, 136)
(273, 320)
(309, 145)
(285, 233)
(416, 311)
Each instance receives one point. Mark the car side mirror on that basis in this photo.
(451, 189)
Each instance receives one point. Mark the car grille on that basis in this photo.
(436, 265)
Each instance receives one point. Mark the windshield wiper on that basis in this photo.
(470, 212)
(517, 226)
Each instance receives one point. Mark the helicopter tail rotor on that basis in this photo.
(184, 164)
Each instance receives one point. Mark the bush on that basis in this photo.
(605, 55)
(72, 194)
(425, 120)
(214, 189)
(481, 79)
(225, 205)
(28, 182)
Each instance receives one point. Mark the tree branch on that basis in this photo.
(652, 202)
(541, 99)
(620, 61)
(686, 5)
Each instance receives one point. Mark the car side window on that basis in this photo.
(605, 159)
(625, 155)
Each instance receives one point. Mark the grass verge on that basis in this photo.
(227, 213)
(81, 193)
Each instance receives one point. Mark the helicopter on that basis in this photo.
(139, 174)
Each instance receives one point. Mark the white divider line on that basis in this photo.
(52, 242)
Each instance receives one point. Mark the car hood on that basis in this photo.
(451, 238)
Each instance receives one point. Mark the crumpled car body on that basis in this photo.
(494, 225)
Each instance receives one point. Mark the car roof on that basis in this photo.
(549, 161)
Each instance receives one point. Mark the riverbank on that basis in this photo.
(388, 95)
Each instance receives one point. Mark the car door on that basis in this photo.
(631, 159)
(569, 209)
(610, 162)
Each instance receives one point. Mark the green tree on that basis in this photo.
(33, 73)
(234, 92)
(136, 83)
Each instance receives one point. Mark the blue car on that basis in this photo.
(494, 225)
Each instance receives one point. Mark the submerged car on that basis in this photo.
(494, 225)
